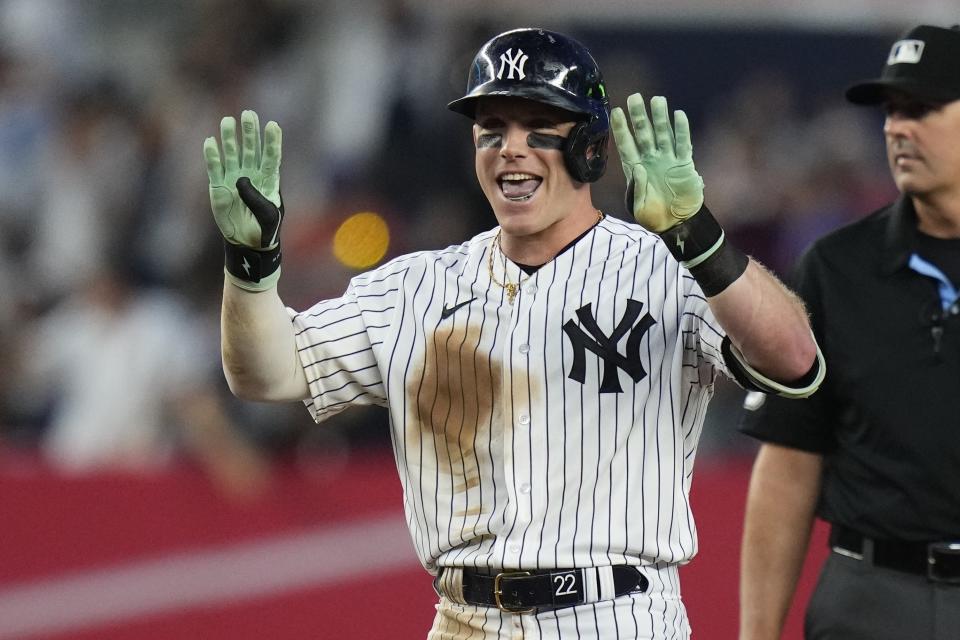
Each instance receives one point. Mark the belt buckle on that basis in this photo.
(939, 553)
(497, 591)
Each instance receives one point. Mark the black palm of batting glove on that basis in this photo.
(260, 265)
(665, 193)
(245, 198)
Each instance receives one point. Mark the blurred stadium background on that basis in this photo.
(138, 499)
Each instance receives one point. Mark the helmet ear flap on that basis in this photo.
(576, 152)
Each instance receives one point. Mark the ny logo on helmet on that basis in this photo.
(516, 63)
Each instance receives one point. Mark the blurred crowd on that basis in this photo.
(111, 266)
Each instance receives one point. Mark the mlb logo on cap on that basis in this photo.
(906, 51)
(924, 64)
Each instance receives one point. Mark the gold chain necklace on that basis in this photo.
(512, 288)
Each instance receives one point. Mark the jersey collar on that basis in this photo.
(900, 237)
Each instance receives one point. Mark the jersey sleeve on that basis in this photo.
(338, 356)
(702, 334)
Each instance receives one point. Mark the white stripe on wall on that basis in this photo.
(200, 578)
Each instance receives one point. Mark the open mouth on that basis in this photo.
(519, 186)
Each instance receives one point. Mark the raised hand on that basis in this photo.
(245, 198)
(663, 186)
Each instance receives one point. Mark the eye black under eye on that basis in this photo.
(538, 140)
(489, 140)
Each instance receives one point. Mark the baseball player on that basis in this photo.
(547, 379)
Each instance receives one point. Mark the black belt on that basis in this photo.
(938, 561)
(525, 591)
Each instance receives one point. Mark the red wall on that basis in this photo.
(319, 555)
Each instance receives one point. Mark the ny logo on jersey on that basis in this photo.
(606, 346)
(516, 63)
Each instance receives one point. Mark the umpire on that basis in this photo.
(876, 452)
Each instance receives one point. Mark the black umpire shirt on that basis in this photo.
(887, 417)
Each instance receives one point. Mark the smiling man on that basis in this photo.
(547, 380)
(524, 178)
(876, 452)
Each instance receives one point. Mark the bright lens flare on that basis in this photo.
(361, 240)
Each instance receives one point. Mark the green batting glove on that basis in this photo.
(245, 198)
(663, 187)
(665, 193)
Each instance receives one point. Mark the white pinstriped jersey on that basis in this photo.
(559, 431)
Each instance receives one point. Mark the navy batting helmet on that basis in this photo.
(548, 67)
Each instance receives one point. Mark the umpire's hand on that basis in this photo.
(663, 186)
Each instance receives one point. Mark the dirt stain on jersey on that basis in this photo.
(472, 511)
(457, 622)
(455, 399)
(469, 483)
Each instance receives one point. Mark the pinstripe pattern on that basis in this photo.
(505, 460)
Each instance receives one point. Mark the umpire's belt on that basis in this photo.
(938, 561)
(526, 591)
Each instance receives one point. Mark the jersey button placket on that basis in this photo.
(519, 479)
(522, 479)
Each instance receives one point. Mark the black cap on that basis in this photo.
(924, 63)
